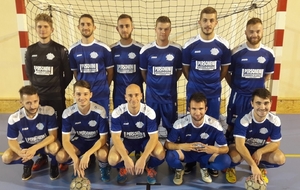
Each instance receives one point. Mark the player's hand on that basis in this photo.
(140, 166)
(30, 153)
(129, 165)
(84, 162)
(207, 149)
(256, 174)
(77, 170)
(22, 153)
(257, 156)
(188, 147)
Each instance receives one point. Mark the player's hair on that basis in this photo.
(28, 90)
(262, 93)
(163, 19)
(86, 16)
(198, 97)
(125, 16)
(208, 10)
(43, 17)
(253, 21)
(82, 83)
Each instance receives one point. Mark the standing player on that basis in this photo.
(48, 70)
(205, 60)
(126, 60)
(161, 68)
(38, 127)
(89, 122)
(193, 137)
(251, 131)
(135, 123)
(91, 61)
(252, 64)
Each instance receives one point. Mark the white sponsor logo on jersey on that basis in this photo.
(131, 55)
(134, 135)
(50, 56)
(117, 55)
(92, 123)
(139, 124)
(170, 57)
(126, 68)
(94, 55)
(198, 51)
(252, 73)
(206, 65)
(35, 139)
(214, 51)
(34, 55)
(163, 71)
(126, 123)
(77, 123)
(263, 130)
(87, 134)
(25, 129)
(261, 59)
(40, 126)
(244, 59)
(89, 68)
(153, 57)
(204, 136)
(78, 55)
(255, 142)
(43, 70)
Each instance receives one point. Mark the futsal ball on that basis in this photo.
(251, 184)
(79, 183)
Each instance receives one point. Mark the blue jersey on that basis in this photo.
(210, 132)
(87, 126)
(249, 66)
(33, 130)
(126, 60)
(91, 61)
(205, 58)
(257, 133)
(161, 64)
(133, 127)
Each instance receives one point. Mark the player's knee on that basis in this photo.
(61, 156)
(280, 159)
(113, 159)
(235, 156)
(7, 158)
(102, 155)
(53, 148)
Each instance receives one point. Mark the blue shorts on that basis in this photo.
(135, 145)
(25, 145)
(82, 145)
(238, 104)
(192, 156)
(165, 112)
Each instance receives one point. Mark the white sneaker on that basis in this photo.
(205, 175)
(178, 177)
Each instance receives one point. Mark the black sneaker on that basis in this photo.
(212, 172)
(54, 172)
(189, 167)
(27, 170)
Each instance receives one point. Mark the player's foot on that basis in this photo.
(63, 167)
(122, 176)
(189, 167)
(105, 173)
(264, 175)
(40, 162)
(212, 172)
(27, 170)
(151, 173)
(178, 177)
(230, 175)
(205, 175)
(54, 172)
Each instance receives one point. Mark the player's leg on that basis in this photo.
(174, 159)
(236, 159)
(102, 157)
(51, 150)
(168, 115)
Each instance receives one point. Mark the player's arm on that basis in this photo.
(144, 75)
(99, 143)
(15, 147)
(48, 140)
(224, 72)
(75, 73)
(68, 146)
(180, 146)
(228, 78)
(270, 147)
(153, 140)
(68, 75)
(244, 152)
(186, 70)
(119, 145)
(110, 74)
(178, 73)
(28, 65)
(267, 77)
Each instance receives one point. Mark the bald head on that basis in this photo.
(133, 87)
(133, 97)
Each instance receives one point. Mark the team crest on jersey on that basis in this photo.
(170, 57)
(204, 136)
(214, 51)
(263, 130)
(261, 59)
(40, 126)
(92, 123)
(131, 55)
(50, 56)
(94, 55)
(139, 124)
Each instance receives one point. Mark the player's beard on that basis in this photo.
(207, 33)
(86, 35)
(31, 112)
(198, 119)
(253, 41)
(125, 37)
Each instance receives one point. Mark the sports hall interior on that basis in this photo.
(286, 89)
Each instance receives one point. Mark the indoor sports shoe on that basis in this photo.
(27, 170)
(212, 172)
(122, 176)
(63, 167)
(230, 175)
(189, 167)
(105, 173)
(178, 177)
(40, 162)
(205, 175)
(54, 172)
(264, 175)
(151, 173)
